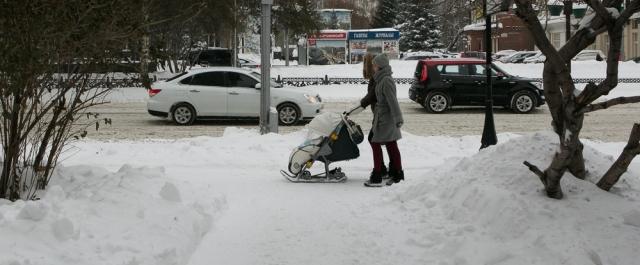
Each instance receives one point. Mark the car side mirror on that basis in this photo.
(258, 86)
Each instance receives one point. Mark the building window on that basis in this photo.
(555, 39)
(634, 24)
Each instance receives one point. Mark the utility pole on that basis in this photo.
(234, 63)
(265, 69)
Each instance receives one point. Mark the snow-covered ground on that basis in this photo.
(224, 201)
(221, 200)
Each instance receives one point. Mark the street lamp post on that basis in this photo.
(489, 136)
(568, 9)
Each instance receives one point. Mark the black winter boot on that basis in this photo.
(385, 171)
(375, 180)
(396, 176)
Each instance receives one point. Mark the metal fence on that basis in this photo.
(307, 81)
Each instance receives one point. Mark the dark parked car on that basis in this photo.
(473, 54)
(519, 57)
(211, 57)
(442, 83)
(636, 60)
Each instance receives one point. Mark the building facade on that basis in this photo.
(507, 33)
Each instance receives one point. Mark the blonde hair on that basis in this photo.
(367, 70)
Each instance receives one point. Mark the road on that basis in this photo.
(131, 121)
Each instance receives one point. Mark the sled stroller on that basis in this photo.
(332, 138)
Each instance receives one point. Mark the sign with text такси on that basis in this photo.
(374, 35)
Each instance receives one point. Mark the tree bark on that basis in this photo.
(630, 151)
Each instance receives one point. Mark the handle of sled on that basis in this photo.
(355, 110)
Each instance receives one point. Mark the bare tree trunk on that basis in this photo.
(455, 40)
(631, 150)
(8, 187)
(38, 161)
(286, 46)
(566, 109)
(145, 53)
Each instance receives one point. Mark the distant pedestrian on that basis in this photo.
(387, 121)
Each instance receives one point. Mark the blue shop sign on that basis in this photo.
(379, 35)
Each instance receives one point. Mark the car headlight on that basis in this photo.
(311, 99)
(538, 85)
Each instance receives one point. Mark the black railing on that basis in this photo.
(303, 81)
(306, 81)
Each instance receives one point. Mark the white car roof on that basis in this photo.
(219, 69)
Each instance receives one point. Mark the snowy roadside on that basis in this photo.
(405, 69)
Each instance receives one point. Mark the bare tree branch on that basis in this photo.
(536, 171)
(631, 150)
(610, 103)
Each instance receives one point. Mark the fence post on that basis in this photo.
(326, 80)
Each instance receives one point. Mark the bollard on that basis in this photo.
(326, 80)
(273, 120)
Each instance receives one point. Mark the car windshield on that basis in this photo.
(259, 77)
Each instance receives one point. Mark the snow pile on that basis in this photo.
(490, 209)
(89, 215)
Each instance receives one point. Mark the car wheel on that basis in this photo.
(288, 114)
(183, 114)
(523, 102)
(437, 102)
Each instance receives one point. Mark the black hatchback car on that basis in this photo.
(442, 83)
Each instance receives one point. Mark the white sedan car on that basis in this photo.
(225, 92)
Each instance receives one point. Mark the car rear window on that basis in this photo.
(209, 79)
(176, 76)
(451, 69)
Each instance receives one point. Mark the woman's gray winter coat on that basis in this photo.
(387, 118)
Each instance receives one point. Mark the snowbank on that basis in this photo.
(90, 215)
(489, 209)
